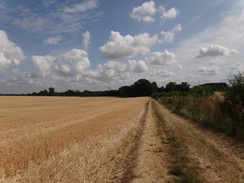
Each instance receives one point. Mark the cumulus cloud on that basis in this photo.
(212, 70)
(144, 13)
(215, 50)
(53, 40)
(171, 13)
(169, 36)
(86, 40)
(42, 64)
(161, 58)
(72, 62)
(137, 66)
(113, 65)
(21, 78)
(10, 54)
(122, 47)
(109, 71)
(114, 71)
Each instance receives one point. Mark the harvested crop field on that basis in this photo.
(107, 139)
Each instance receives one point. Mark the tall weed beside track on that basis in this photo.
(211, 111)
(223, 113)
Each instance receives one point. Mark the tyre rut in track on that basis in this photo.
(148, 158)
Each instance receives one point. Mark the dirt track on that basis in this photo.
(213, 156)
(113, 140)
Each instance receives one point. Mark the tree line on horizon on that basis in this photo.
(140, 88)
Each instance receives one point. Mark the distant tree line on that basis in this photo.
(142, 87)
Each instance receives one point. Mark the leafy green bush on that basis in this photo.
(202, 91)
(235, 93)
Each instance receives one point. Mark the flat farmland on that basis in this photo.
(38, 130)
(108, 139)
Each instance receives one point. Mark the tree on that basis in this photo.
(143, 87)
(183, 87)
(51, 91)
(69, 93)
(171, 86)
(43, 93)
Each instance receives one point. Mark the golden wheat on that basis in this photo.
(60, 139)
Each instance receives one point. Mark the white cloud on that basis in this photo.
(53, 40)
(119, 47)
(215, 50)
(171, 13)
(86, 40)
(144, 13)
(69, 64)
(72, 62)
(216, 61)
(48, 3)
(227, 32)
(33, 22)
(137, 66)
(110, 71)
(162, 73)
(113, 65)
(212, 70)
(115, 72)
(161, 58)
(21, 78)
(180, 67)
(10, 54)
(177, 28)
(59, 17)
(238, 67)
(82, 7)
(169, 36)
(42, 64)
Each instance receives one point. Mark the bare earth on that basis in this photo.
(106, 139)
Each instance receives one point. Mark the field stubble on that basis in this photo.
(46, 138)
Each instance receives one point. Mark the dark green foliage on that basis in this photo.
(51, 91)
(216, 86)
(142, 87)
(169, 94)
(171, 86)
(183, 87)
(43, 93)
(235, 93)
(202, 91)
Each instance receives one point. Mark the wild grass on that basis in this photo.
(180, 167)
(211, 111)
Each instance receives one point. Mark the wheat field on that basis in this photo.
(65, 139)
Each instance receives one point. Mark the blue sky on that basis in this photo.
(101, 44)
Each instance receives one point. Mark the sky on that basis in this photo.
(105, 44)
